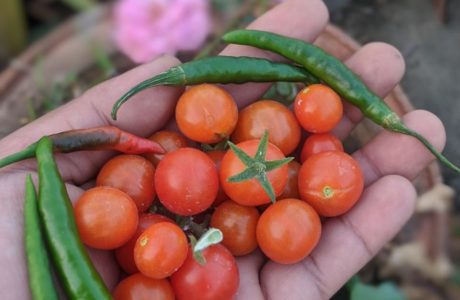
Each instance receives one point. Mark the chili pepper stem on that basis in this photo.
(26, 153)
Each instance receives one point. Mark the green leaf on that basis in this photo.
(211, 237)
(246, 159)
(247, 174)
(385, 291)
(262, 148)
(274, 164)
(266, 185)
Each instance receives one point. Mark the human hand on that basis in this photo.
(389, 161)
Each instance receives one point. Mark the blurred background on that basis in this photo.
(53, 50)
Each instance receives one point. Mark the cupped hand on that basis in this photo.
(389, 162)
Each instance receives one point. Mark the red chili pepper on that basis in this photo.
(99, 138)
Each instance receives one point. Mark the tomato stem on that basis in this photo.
(211, 237)
(257, 166)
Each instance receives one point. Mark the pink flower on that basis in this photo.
(145, 29)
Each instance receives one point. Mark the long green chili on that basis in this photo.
(337, 75)
(76, 271)
(39, 270)
(221, 69)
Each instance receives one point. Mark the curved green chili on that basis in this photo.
(39, 271)
(221, 69)
(99, 138)
(336, 74)
(76, 271)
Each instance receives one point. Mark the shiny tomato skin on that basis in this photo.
(125, 254)
(255, 119)
(318, 108)
(186, 181)
(206, 113)
(160, 250)
(331, 182)
(141, 287)
(218, 278)
(217, 156)
(288, 231)
(320, 142)
(133, 175)
(291, 190)
(250, 192)
(169, 140)
(238, 225)
(106, 217)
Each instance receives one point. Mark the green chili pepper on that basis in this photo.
(337, 75)
(76, 272)
(39, 270)
(99, 138)
(221, 69)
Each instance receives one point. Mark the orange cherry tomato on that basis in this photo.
(318, 108)
(206, 113)
(125, 254)
(291, 190)
(140, 287)
(331, 182)
(106, 217)
(160, 250)
(169, 140)
(250, 192)
(288, 231)
(217, 156)
(320, 142)
(132, 174)
(218, 278)
(282, 126)
(238, 225)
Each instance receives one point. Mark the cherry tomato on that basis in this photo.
(160, 250)
(288, 231)
(282, 126)
(238, 225)
(250, 192)
(133, 175)
(106, 217)
(318, 108)
(186, 181)
(331, 182)
(206, 113)
(218, 278)
(291, 190)
(125, 254)
(216, 157)
(140, 287)
(320, 142)
(169, 140)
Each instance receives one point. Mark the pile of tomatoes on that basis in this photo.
(154, 240)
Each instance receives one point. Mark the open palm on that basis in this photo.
(389, 162)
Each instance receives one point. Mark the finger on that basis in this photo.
(148, 112)
(347, 243)
(301, 19)
(248, 267)
(380, 66)
(395, 153)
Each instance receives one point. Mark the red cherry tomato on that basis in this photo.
(140, 287)
(250, 192)
(206, 113)
(291, 190)
(186, 181)
(217, 157)
(218, 278)
(320, 142)
(125, 254)
(288, 231)
(238, 225)
(133, 175)
(331, 182)
(160, 250)
(169, 140)
(282, 126)
(318, 108)
(106, 217)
